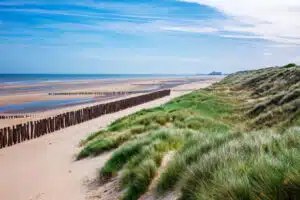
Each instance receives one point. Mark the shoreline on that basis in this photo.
(126, 86)
(110, 79)
(89, 77)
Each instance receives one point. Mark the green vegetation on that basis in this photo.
(237, 139)
(203, 111)
(262, 165)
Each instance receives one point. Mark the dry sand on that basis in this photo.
(44, 168)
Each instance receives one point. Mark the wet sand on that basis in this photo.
(14, 95)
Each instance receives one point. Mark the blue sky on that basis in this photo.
(137, 36)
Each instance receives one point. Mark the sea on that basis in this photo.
(36, 78)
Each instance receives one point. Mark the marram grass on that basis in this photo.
(234, 140)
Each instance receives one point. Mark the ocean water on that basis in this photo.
(40, 105)
(36, 78)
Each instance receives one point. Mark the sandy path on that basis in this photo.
(43, 168)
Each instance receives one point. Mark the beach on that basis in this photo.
(44, 168)
(39, 103)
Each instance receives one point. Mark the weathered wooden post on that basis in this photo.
(14, 134)
(27, 132)
(5, 137)
(19, 133)
(10, 137)
(1, 139)
(34, 129)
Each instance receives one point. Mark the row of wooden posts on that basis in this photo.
(96, 93)
(13, 116)
(88, 93)
(13, 135)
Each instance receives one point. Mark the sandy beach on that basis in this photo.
(20, 93)
(121, 85)
(14, 96)
(44, 168)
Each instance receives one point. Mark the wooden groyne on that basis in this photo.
(13, 116)
(97, 93)
(13, 135)
(88, 93)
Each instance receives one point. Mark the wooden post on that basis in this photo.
(10, 138)
(31, 130)
(1, 139)
(5, 137)
(27, 131)
(34, 129)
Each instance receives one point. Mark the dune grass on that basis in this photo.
(259, 165)
(140, 158)
(262, 165)
(232, 140)
(202, 111)
(191, 152)
(144, 137)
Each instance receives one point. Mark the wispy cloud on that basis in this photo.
(241, 36)
(157, 26)
(273, 20)
(119, 7)
(50, 12)
(89, 14)
(191, 29)
(128, 8)
(118, 11)
(76, 13)
(127, 18)
(253, 33)
(100, 27)
(113, 10)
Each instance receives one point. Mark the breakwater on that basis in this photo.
(13, 135)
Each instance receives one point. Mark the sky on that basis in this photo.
(142, 37)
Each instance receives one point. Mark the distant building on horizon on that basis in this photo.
(215, 73)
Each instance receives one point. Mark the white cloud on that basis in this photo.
(49, 12)
(274, 20)
(190, 29)
(241, 36)
(155, 26)
(87, 14)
